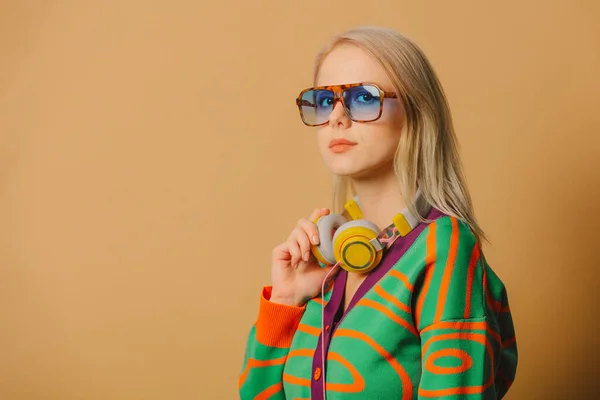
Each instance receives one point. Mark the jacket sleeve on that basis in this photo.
(267, 349)
(468, 346)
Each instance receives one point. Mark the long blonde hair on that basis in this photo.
(427, 157)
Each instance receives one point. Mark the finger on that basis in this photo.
(294, 250)
(303, 242)
(310, 230)
(314, 232)
(318, 213)
(280, 252)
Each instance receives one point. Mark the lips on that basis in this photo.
(338, 142)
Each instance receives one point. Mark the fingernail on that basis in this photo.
(315, 239)
(306, 256)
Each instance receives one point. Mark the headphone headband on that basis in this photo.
(404, 221)
(356, 243)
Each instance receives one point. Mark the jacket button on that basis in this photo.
(317, 374)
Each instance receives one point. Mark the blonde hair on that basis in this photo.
(427, 157)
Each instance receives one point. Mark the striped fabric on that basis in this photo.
(435, 325)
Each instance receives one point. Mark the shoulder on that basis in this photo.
(449, 227)
(448, 236)
(449, 284)
(443, 239)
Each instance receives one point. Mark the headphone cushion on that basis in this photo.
(357, 223)
(326, 225)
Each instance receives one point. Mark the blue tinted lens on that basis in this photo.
(316, 106)
(363, 103)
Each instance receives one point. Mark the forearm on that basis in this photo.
(267, 348)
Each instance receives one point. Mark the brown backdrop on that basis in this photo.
(151, 156)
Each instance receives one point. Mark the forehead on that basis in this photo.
(350, 64)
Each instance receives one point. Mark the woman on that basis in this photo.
(415, 311)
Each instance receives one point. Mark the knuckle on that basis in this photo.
(279, 248)
(301, 235)
(293, 234)
(309, 226)
(306, 239)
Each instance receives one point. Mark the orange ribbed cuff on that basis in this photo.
(276, 323)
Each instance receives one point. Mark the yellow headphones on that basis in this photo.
(355, 243)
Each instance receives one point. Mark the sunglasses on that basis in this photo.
(363, 102)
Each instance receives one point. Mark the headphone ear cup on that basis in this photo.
(326, 226)
(352, 246)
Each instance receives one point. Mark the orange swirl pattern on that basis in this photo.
(471, 337)
(358, 382)
(253, 363)
(389, 313)
(270, 391)
(463, 356)
(407, 386)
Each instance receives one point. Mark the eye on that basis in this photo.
(364, 97)
(325, 101)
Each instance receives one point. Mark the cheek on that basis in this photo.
(392, 129)
(392, 116)
(383, 141)
(322, 140)
(386, 143)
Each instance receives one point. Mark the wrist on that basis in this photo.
(285, 301)
(281, 298)
(276, 324)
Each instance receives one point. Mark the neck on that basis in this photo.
(380, 198)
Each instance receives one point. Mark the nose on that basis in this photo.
(338, 116)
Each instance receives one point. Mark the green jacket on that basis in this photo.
(432, 321)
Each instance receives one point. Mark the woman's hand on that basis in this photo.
(296, 275)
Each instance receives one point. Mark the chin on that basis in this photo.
(355, 169)
(347, 168)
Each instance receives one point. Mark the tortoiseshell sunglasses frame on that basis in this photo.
(338, 90)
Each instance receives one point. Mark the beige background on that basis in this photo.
(151, 155)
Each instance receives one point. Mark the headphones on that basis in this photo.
(356, 245)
